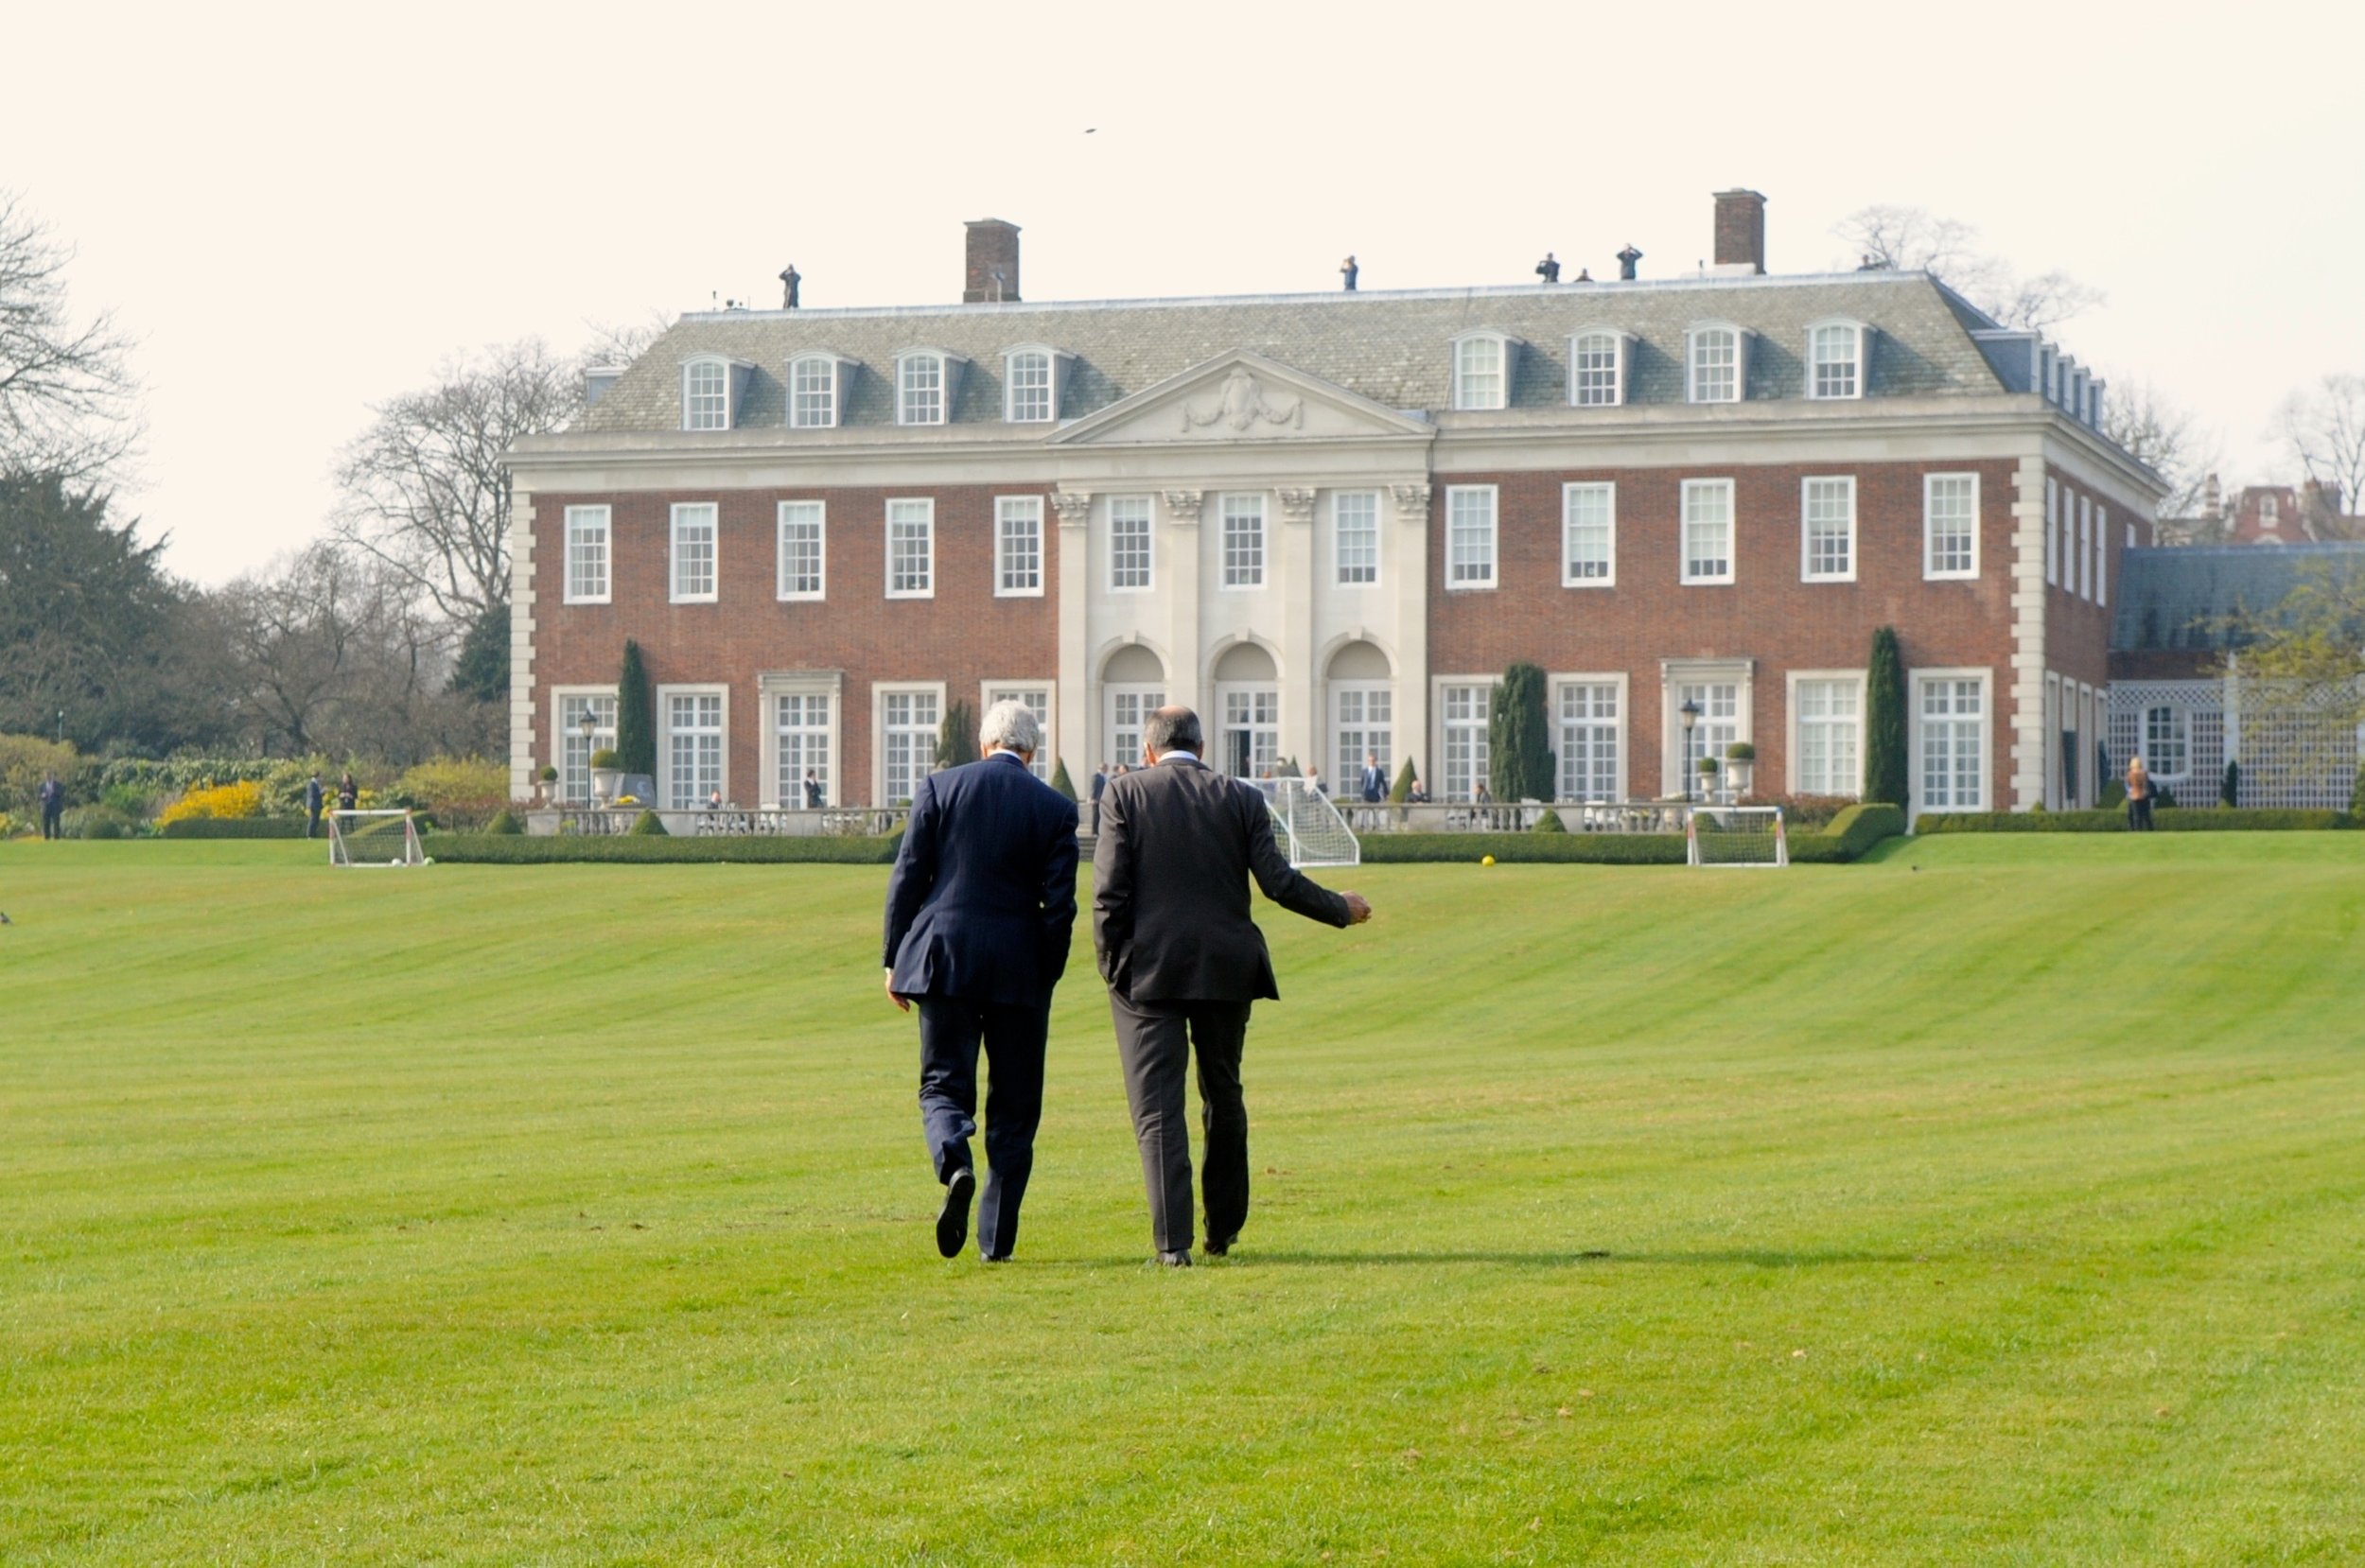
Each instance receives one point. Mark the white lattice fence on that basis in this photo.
(2298, 750)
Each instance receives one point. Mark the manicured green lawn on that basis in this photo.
(1997, 1201)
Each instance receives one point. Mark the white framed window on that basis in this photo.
(1950, 712)
(1131, 703)
(1248, 742)
(1463, 706)
(1950, 525)
(1723, 692)
(1354, 536)
(1130, 559)
(1707, 531)
(1482, 370)
(812, 392)
(1715, 364)
(694, 753)
(804, 554)
(1597, 370)
(1827, 528)
(1018, 547)
(587, 550)
(1244, 540)
(571, 752)
(1835, 358)
(801, 724)
(1590, 713)
(706, 394)
(1469, 536)
(2085, 547)
(1714, 734)
(1826, 732)
(909, 719)
(1027, 381)
(911, 549)
(1037, 697)
(1588, 534)
(2052, 531)
(1362, 723)
(2167, 742)
(920, 389)
(692, 553)
(2102, 554)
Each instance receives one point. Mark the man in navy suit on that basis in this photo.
(978, 915)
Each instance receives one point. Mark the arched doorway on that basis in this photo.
(1132, 686)
(1247, 711)
(1362, 696)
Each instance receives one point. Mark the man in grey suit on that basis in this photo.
(1178, 842)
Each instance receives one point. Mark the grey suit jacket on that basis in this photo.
(1171, 908)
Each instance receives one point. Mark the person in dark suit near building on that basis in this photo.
(979, 911)
(812, 791)
(1183, 962)
(1374, 788)
(1100, 785)
(312, 805)
(52, 797)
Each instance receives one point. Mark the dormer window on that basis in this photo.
(924, 386)
(817, 391)
(1482, 370)
(1716, 363)
(1835, 360)
(1597, 370)
(1032, 380)
(711, 387)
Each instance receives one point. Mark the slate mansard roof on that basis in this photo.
(2179, 598)
(1393, 347)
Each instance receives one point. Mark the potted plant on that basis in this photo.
(550, 784)
(1742, 755)
(607, 772)
(1709, 767)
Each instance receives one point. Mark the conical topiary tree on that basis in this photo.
(1060, 781)
(956, 738)
(1518, 739)
(1885, 768)
(635, 714)
(1402, 790)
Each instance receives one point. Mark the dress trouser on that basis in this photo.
(1155, 1040)
(952, 1029)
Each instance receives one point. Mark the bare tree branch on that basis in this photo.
(2323, 430)
(2154, 429)
(1913, 239)
(66, 389)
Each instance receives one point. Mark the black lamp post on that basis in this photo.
(589, 725)
(1690, 711)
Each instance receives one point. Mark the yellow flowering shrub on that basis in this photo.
(220, 800)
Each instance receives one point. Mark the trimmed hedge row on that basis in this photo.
(1849, 834)
(238, 828)
(1853, 831)
(2167, 819)
(513, 850)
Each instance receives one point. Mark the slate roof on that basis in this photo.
(1394, 347)
(2176, 599)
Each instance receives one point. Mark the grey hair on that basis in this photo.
(1011, 725)
(1173, 729)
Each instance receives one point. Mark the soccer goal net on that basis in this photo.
(374, 838)
(1310, 827)
(1736, 835)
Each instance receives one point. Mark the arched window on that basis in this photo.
(1031, 383)
(1482, 370)
(816, 386)
(706, 393)
(1716, 363)
(1597, 370)
(1835, 360)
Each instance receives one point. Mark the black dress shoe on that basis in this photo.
(1216, 1248)
(1175, 1260)
(953, 1219)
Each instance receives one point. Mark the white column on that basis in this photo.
(2025, 698)
(1293, 592)
(1077, 694)
(521, 627)
(1406, 562)
(1180, 561)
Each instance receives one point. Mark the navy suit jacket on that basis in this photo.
(982, 900)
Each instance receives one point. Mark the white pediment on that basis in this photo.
(1240, 396)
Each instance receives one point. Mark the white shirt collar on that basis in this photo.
(1168, 755)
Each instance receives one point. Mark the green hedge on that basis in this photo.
(504, 849)
(2177, 819)
(1853, 831)
(238, 828)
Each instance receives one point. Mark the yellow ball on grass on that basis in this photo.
(1487, 860)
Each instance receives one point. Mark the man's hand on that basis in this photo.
(905, 1002)
(1359, 910)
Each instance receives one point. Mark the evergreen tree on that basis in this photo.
(956, 738)
(635, 714)
(1402, 790)
(1060, 781)
(482, 672)
(1886, 770)
(1519, 751)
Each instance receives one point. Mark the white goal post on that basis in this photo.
(374, 838)
(1735, 835)
(1309, 827)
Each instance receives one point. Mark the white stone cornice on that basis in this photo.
(1183, 505)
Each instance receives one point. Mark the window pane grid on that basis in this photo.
(1718, 727)
(693, 550)
(1589, 520)
(800, 550)
(1588, 742)
(911, 548)
(695, 749)
(1831, 524)
(1708, 529)
(1950, 523)
(801, 725)
(922, 380)
(1470, 536)
(813, 403)
(910, 741)
(1465, 740)
(586, 552)
(1835, 361)
(2166, 734)
(1366, 727)
(1479, 374)
(1129, 542)
(1830, 736)
(1715, 366)
(1243, 541)
(1355, 517)
(574, 758)
(1030, 387)
(1018, 543)
(1597, 356)
(709, 397)
(1127, 711)
(1952, 748)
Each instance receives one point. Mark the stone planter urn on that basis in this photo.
(604, 784)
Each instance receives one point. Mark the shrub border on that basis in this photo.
(626, 850)
(2167, 819)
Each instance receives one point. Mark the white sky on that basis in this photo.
(299, 211)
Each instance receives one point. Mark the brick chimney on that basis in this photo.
(992, 248)
(1740, 232)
